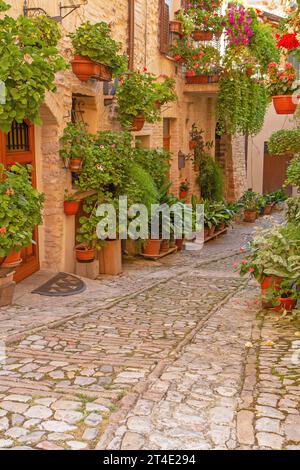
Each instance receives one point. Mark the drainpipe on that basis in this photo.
(131, 20)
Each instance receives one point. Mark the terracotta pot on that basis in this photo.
(283, 104)
(212, 231)
(137, 123)
(75, 165)
(218, 34)
(202, 35)
(104, 73)
(268, 209)
(84, 68)
(249, 71)
(165, 246)
(71, 207)
(192, 144)
(196, 79)
(157, 104)
(175, 27)
(152, 247)
(268, 283)
(285, 304)
(221, 227)
(179, 243)
(172, 244)
(214, 78)
(12, 260)
(5, 281)
(183, 194)
(85, 254)
(250, 216)
(206, 232)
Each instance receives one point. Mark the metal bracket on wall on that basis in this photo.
(37, 11)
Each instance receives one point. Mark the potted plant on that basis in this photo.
(203, 64)
(285, 142)
(75, 142)
(268, 204)
(206, 24)
(281, 85)
(185, 21)
(71, 204)
(197, 140)
(183, 189)
(165, 91)
(28, 47)
(137, 97)
(21, 211)
(250, 201)
(88, 241)
(284, 298)
(96, 53)
(238, 25)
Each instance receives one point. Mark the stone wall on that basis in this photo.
(57, 235)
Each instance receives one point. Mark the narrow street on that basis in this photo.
(173, 355)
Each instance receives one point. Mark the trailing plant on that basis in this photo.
(210, 179)
(75, 141)
(95, 42)
(21, 208)
(281, 80)
(29, 62)
(137, 95)
(263, 44)
(239, 25)
(242, 104)
(156, 162)
(293, 173)
(293, 211)
(141, 188)
(284, 141)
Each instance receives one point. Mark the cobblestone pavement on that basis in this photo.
(189, 363)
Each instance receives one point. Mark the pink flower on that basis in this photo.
(113, 146)
(244, 261)
(251, 270)
(3, 230)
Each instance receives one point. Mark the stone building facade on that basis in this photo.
(196, 104)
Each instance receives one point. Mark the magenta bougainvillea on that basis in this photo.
(238, 31)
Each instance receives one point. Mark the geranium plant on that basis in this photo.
(95, 42)
(21, 209)
(75, 142)
(29, 62)
(165, 90)
(205, 61)
(281, 79)
(206, 20)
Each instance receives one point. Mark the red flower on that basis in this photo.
(3, 230)
(288, 41)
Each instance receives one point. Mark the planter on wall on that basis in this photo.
(284, 104)
(85, 68)
(214, 78)
(193, 144)
(137, 123)
(196, 79)
(71, 207)
(202, 35)
(175, 27)
(183, 194)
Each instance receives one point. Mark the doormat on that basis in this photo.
(61, 285)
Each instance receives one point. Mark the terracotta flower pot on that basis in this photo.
(175, 27)
(152, 247)
(221, 227)
(206, 232)
(192, 144)
(85, 254)
(75, 165)
(249, 71)
(202, 35)
(183, 194)
(268, 209)
(284, 104)
(165, 246)
(71, 207)
(12, 260)
(214, 78)
(137, 123)
(179, 243)
(269, 283)
(84, 68)
(196, 79)
(250, 216)
(285, 304)
(212, 231)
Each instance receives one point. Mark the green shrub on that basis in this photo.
(293, 173)
(156, 162)
(284, 141)
(211, 180)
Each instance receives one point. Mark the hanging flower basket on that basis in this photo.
(84, 254)
(12, 260)
(176, 27)
(284, 104)
(191, 78)
(84, 68)
(75, 165)
(137, 123)
(202, 35)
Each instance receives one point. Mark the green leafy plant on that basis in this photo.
(21, 209)
(137, 94)
(281, 79)
(242, 104)
(210, 179)
(165, 90)
(293, 173)
(141, 188)
(293, 211)
(251, 201)
(187, 22)
(86, 233)
(263, 44)
(285, 141)
(29, 62)
(156, 162)
(205, 61)
(184, 186)
(206, 20)
(69, 197)
(95, 42)
(75, 141)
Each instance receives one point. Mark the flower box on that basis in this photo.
(202, 35)
(284, 104)
(196, 79)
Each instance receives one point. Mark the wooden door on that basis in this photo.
(18, 147)
(274, 176)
